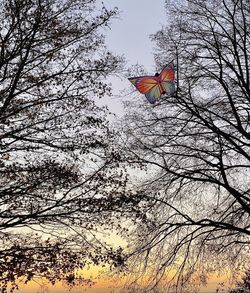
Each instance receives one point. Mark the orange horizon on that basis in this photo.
(106, 285)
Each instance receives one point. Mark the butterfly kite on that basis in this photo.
(153, 87)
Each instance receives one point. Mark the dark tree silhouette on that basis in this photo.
(196, 147)
(56, 157)
(242, 286)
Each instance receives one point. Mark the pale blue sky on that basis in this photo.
(129, 35)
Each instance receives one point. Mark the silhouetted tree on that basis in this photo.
(56, 178)
(196, 146)
(242, 286)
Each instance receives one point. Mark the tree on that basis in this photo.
(243, 286)
(196, 147)
(56, 152)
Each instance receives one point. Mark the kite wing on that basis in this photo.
(154, 94)
(167, 79)
(148, 85)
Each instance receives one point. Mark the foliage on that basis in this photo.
(242, 286)
(195, 145)
(56, 154)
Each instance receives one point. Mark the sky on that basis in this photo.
(129, 35)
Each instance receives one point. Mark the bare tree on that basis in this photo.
(242, 286)
(196, 147)
(56, 157)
